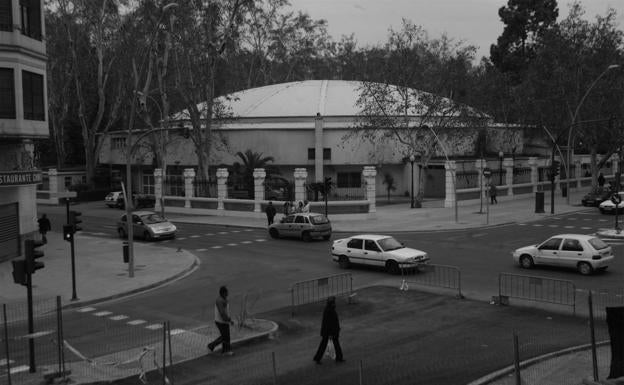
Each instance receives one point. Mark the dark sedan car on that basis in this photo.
(596, 196)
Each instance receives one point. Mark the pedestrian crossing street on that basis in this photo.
(580, 224)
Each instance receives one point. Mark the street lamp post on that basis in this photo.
(578, 108)
(412, 159)
(500, 168)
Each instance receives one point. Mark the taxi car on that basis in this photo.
(305, 226)
(147, 225)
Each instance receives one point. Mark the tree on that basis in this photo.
(390, 184)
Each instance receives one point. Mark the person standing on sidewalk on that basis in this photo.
(493, 194)
(223, 322)
(270, 212)
(44, 227)
(330, 328)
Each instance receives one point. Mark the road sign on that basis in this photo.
(487, 172)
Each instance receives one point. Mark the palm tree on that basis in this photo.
(249, 161)
(390, 184)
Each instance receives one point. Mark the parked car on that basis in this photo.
(377, 250)
(112, 199)
(596, 196)
(584, 253)
(609, 207)
(302, 225)
(147, 225)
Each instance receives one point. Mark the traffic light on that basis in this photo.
(68, 233)
(19, 272)
(74, 220)
(328, 182)
(555, 168)
(32, 254)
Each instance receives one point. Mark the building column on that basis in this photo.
(189, 176)
(534, 172)
(53, 180)
(259, 175)
(480, 165)
(222, 177)
(450, 168)
(301, 174)
(158, 177)
(508, 164)
(370, 173)
(318, 148)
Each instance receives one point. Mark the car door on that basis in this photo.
(548, 252)
(299, 225)
(571, 252)
(355, 251)
(285, 226)
(373, 254)
(137, 226)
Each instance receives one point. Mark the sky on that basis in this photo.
(475, 22)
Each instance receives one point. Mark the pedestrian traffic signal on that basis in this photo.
(68, 233)
(74, 220)
(19, 272)
(32, 254)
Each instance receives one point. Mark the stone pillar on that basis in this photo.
(318, 148)
(53, 180)
(259, 175)
(578, 173)
(450, 183)
(189, 176)
(481, 164)
(301, 174)
(158, 178)
(369, 173)
(534, 172)
(508, 165)
(222, 176)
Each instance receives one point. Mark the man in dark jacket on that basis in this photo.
(270, 213)
(223, 322)
(330, 328)
(44, 227)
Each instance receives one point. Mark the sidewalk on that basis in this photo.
(101, 273)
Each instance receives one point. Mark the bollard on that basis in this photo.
(126, 254)
(539, 201)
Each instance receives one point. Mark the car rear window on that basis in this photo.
(598, 243)
(319, 219)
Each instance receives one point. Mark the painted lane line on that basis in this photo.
(177, 331)
(118, 317)
(136, 322)
(537, 225)
(181, 238)
(569, 227)
(246, 242)
(586, 228)
(194, 236)
(248, 230)
(232, 244)
(85, 309)
(522, 224)
(208, 234)
(102, 313)
(260, 240)
(223, 232)
(201, 249)
(235, 231)
(553, 225)
(19, 369)
(217, 247)
(3, 362)
(154, 326)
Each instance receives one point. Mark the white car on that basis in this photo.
(147, 225)
(113, 199)
(608, 206)
(377, 250)
(584, 253)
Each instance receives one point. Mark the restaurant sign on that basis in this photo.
(16, 178)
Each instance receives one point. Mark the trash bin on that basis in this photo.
(126, 252)
(539, 201)
(564, 190)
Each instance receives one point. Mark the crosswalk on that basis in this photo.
(585, 225)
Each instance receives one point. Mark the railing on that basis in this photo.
(316, 290)
(173, 185)
(537, 289)
(448, 277)
(204, 188)
(468, 179)
(522, 175)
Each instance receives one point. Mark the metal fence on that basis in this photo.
(448, 277)
(467, 179)
(537, 289)
(521, 175)
(316, 290)
(204, 188)
(173, 185)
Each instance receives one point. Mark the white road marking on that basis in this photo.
(248, 230)
(137, 322)
(569, 227)
(201, 249)
(85, 309)
(119, 317)
(522, 224)
(177, 331)
(235, 231)
(232, 244)
(208, 234)
(19, 369)
(260, 240)
(553, 225)
(223, 232)
(154, 326)
(181, 238)
(586, 228)
(245, 242)
(194, 236)
(217, 247)
(102, 313)
(537, 225)
(3, 362)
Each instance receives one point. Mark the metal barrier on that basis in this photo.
(316, 290)
(537, 289)
(448, 277)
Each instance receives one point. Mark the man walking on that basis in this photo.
(493, 194)
(330, 328)
(270, 212)
(223, 322)
(44, 227)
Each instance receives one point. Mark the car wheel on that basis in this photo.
(585, 268)
(122, 233)
(392, 267)
(343, 262)
(306, 236)
(147, 236)
(273, 233)
(526, 261)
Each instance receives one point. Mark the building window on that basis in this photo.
(67, 182)
(326, 154)
(7, 94)
(118, 143)
(32, 86)
(30, 17)
(348, 179)
(6, 16)
(148, 184)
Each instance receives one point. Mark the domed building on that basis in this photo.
(309, 124)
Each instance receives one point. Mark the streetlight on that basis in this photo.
(578, 108)
(500, 168)
(412, 159)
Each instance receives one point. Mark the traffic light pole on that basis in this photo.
(73, 264)
(31, 324)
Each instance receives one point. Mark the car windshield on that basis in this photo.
(597, 243)
(388, 244)
(152, 218)
(318, 219)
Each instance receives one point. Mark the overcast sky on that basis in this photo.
(474, 21)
